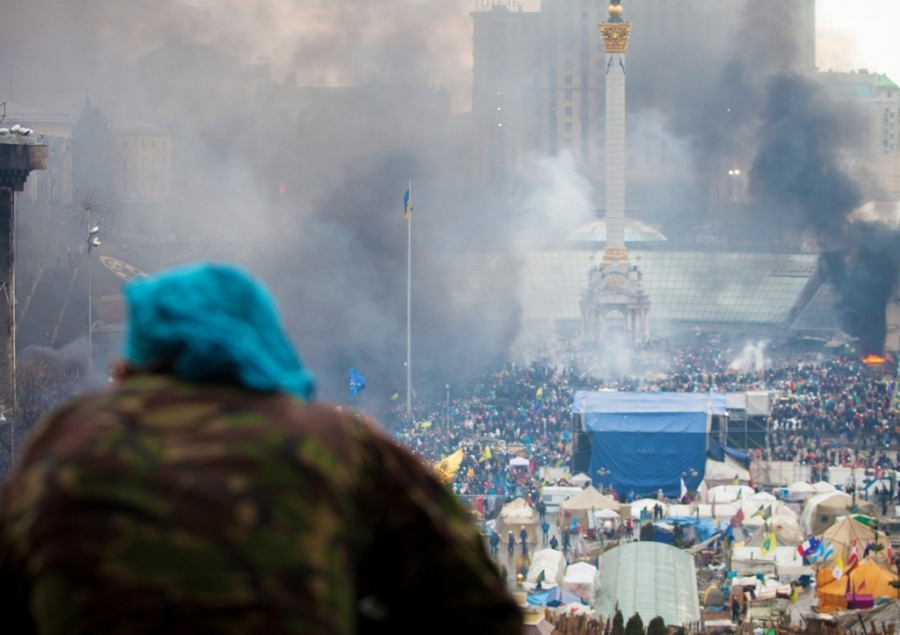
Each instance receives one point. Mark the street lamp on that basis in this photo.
(93, 240)
(602, 473)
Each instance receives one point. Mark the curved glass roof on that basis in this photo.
(650, 579)
(696, 287)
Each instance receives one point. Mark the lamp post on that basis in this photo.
(448, 406)
(92, 241)
(602, 473)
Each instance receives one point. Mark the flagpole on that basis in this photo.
(409, 306)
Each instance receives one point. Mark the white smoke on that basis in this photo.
(752, 358)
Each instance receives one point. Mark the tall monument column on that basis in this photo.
(614, 294)
(615, 34)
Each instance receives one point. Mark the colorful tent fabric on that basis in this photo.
(848, 530)
(867, 578)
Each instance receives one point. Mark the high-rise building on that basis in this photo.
(539, 77)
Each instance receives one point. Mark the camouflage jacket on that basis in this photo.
(164, 507)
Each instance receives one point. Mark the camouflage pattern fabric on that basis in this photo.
(166, 507)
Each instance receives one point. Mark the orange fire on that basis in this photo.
(873, 360)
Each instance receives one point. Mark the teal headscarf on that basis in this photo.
(215, 322)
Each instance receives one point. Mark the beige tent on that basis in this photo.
(581, 505)
(786, 529)
(848, 530)
(514, 516)
(822, 511)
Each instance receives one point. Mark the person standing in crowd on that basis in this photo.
(495, 543)
(510, 543)
(207, 491)
(542, 509)
(554, 543)
(545, 528)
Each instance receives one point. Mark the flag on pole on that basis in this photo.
(486, 454)
(539, 393)
(853, 558)
(767, 514)
(759, 512)
(838, 571)
(357, 381)
(828, 553)
(809, 547)
(738, 518)
(395, 395)
(768, 545)
(407, 204)
(736, 480)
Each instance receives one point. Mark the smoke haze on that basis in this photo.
(304, 185)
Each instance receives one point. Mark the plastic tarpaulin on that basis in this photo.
(627, 428)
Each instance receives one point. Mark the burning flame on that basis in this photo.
(873, 360)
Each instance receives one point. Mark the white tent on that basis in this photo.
(581, 479)
(519, 461)
(725, 472)
(823, 487)
(581, 580)
(648, 504)
(729, 493)
(551, 562)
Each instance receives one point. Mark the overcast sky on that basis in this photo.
(859, 34)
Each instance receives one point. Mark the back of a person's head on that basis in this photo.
(212, 322)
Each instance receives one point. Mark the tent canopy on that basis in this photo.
(582, 504)
(867, 577)
(821, 511)
(848, 530)
(627, 427)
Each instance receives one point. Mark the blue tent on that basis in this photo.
(646, 441)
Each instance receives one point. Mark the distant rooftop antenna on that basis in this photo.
(3, 114)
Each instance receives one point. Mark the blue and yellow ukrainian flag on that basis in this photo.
(407, 204)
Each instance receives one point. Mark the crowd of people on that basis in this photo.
(828, 408)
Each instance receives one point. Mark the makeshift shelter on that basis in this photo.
(874, 619)
(822, 510)
(581, 505)
(648, 504)
(581, 479)
(625, 428)
(725, 473)
(514, 516)
(649, 578)
(800, 490)
(786, 529)
(782, 561)
(581, 579)
(729, 493)
(868, 578)
(848, 530)
(714, 599)
(553, 565)
(823, 487)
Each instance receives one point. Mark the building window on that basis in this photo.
(568, 95)
(569, 128)
(568, 111)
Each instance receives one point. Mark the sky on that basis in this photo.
(858, 34)
(182, 64)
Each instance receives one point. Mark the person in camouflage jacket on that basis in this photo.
(204, 506)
